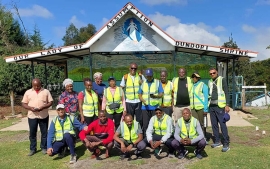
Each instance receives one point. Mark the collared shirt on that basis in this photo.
(150, 129)
(70, 100)
(187, 123)
(99, 89)
(97, 127)
(51, 132)
(37, 99)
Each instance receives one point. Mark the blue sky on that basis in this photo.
(200, 21)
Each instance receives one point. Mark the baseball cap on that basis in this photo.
(158, 109)
(60, 106)
(111, 78)
(195, 74)
(226, 117)
(149, 72)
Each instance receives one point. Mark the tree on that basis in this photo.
(75, 36)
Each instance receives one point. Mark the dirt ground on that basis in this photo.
(6, 111)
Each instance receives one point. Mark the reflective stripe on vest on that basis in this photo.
(167, 97)
(90, 104)
(129, 135)
(192, 133)
(220, 92)
(160, 128)
(116, 98)
(132, 88)
(67, 127)
(152, 90)
(195, 103)
(175, 87)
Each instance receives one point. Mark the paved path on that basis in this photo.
(236, 120)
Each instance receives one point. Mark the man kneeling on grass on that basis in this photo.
(128, 135)
(188, 132)
(101, 134)
(61, 134)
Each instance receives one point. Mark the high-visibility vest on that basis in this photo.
(66, 128)
(192, 133)
(129, 135)
(175, 87)
(195, 102)
(90, 104)
(167, 97)
(220, 92)
(117, 98)
(160, 128)
(132, 87)
(152, 90)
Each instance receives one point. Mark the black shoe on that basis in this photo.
(139, 156)
(182, 155)
(62, 154)
(32, 152)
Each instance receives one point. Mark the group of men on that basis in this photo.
(167, 113)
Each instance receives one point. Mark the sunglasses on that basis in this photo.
(133, 68)
(212, 73)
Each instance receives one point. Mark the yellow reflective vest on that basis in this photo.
(129, 135)
(132, 87)
(167, 97)
(195, 94)
(160, 128)
(220, 92)
(175, 87)
(153, 89)
(90, 104)
(117, 98)
(66, 128)
(184, 132)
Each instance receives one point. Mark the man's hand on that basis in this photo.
(144, 102)
(123, 148)
(227, 109)
(34, 109)
(129, 148)
(187, 141)
(87, 143)
(157, 143)
(82, 119)
(151, 144)
(124, 113)
(182, 141)
(49, 151)
(85, 128)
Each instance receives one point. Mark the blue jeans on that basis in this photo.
(33, 126)
(68, 140)
(216, 116)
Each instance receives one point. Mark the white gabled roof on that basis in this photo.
(61, 54)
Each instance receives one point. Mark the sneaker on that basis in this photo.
(139, 156)
(225, 149)
(198, 155)
(123, 156)
(44, 151)
(32, 152)
(215, 145)
(182, 155)
(73, 159)
(158, 150)
(171, 155)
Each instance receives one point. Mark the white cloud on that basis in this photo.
(263, 2)
(36, 10)
(248, 28)
(77, 22)
(197, 33)
(167, 2)
(59, 31)
(164, 20)
(218, 28)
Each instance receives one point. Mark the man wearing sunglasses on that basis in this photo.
(218, 106)
(131, 82)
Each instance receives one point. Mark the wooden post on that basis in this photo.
(265, 93)
(243, 96)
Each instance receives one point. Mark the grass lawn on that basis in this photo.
(249, 149)
(6, 123)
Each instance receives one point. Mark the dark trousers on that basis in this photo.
(216, 116)
(167, 110)
(88, 120)
(33, 127)
(198, 114)
(139, 147)
(135, 109)
(146, 116)
(180, 148)
(95, 139)
(116, 117)
(68, 141)
(168, 143)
